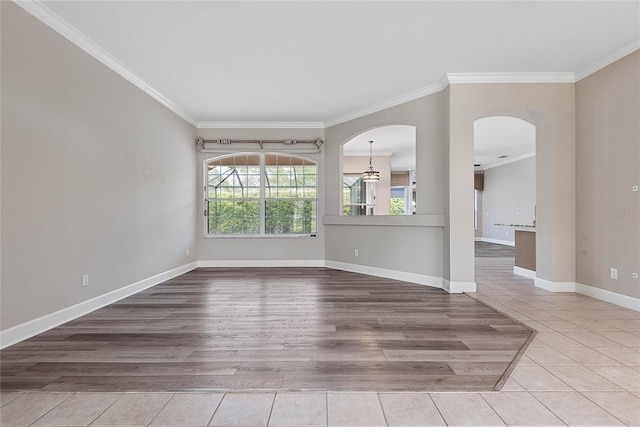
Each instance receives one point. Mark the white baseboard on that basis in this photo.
(499, 242)
(555, 286)
(41, 324)
(609, 296)
(263, 263)
(524, 272)
(458, 287)
(421, 279)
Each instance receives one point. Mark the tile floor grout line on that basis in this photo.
(326, 407)
(160, 410)
(384, 415)
(494, 409)
(271, 408)
(438, 409)
(216, 409)
(605, 410)
(549, 409)
(43, 415)
(107, 408)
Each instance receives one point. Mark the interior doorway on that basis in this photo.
(505, 193)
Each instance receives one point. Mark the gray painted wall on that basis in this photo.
(607, 167)
(411, 249)
(406, 249)
(97, 177)
(507, 189)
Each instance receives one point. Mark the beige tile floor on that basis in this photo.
(583, 368)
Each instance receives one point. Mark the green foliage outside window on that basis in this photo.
(237, 185)
(397, 206)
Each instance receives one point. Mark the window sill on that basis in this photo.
(387, 220)
(261, 236)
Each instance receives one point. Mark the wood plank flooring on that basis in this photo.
(274, 329)
(494, 250)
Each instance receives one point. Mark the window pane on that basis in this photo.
(234, 186)
(234, 217)
(290, 216)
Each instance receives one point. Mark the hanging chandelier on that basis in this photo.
(370, 175)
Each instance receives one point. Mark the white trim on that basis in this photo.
(422, 220)
(554, 286)
(497, 241)
(391, 102)
(608, 60)
(262, 263)
(507, 161)
(455, 78)
(420, 279)
(458, 287)
(47, 16)
(41, 324)
(524, 272)
(608, 296)
(260, 125)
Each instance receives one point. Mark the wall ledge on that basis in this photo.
(36, 326)
(386, 220)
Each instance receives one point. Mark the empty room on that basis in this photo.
(320, 213)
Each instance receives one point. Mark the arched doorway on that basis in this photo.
(505, 193)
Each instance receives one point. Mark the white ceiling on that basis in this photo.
(494, 137)
(398, 141)
(319, 61)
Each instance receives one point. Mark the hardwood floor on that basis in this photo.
(494, 250)
(274, 329)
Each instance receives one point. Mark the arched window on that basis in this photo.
(253, 194)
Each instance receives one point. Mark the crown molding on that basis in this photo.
(260, 125)
(454, 78)
(608, 60)
(391, 102)
(48, 17)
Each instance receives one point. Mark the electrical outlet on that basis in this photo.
(614, 273)
(634, 188)
(517, 211)
(188, 251)
(355, 252)
(634, 275)
(85, 280)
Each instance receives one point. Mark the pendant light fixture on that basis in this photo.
(370, 175)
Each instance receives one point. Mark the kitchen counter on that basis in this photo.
(525, 245)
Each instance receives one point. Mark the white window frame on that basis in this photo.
(261, 200)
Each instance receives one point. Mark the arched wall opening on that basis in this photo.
(393, 155)
(551, 108)
(505, 192)
(405, 247)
